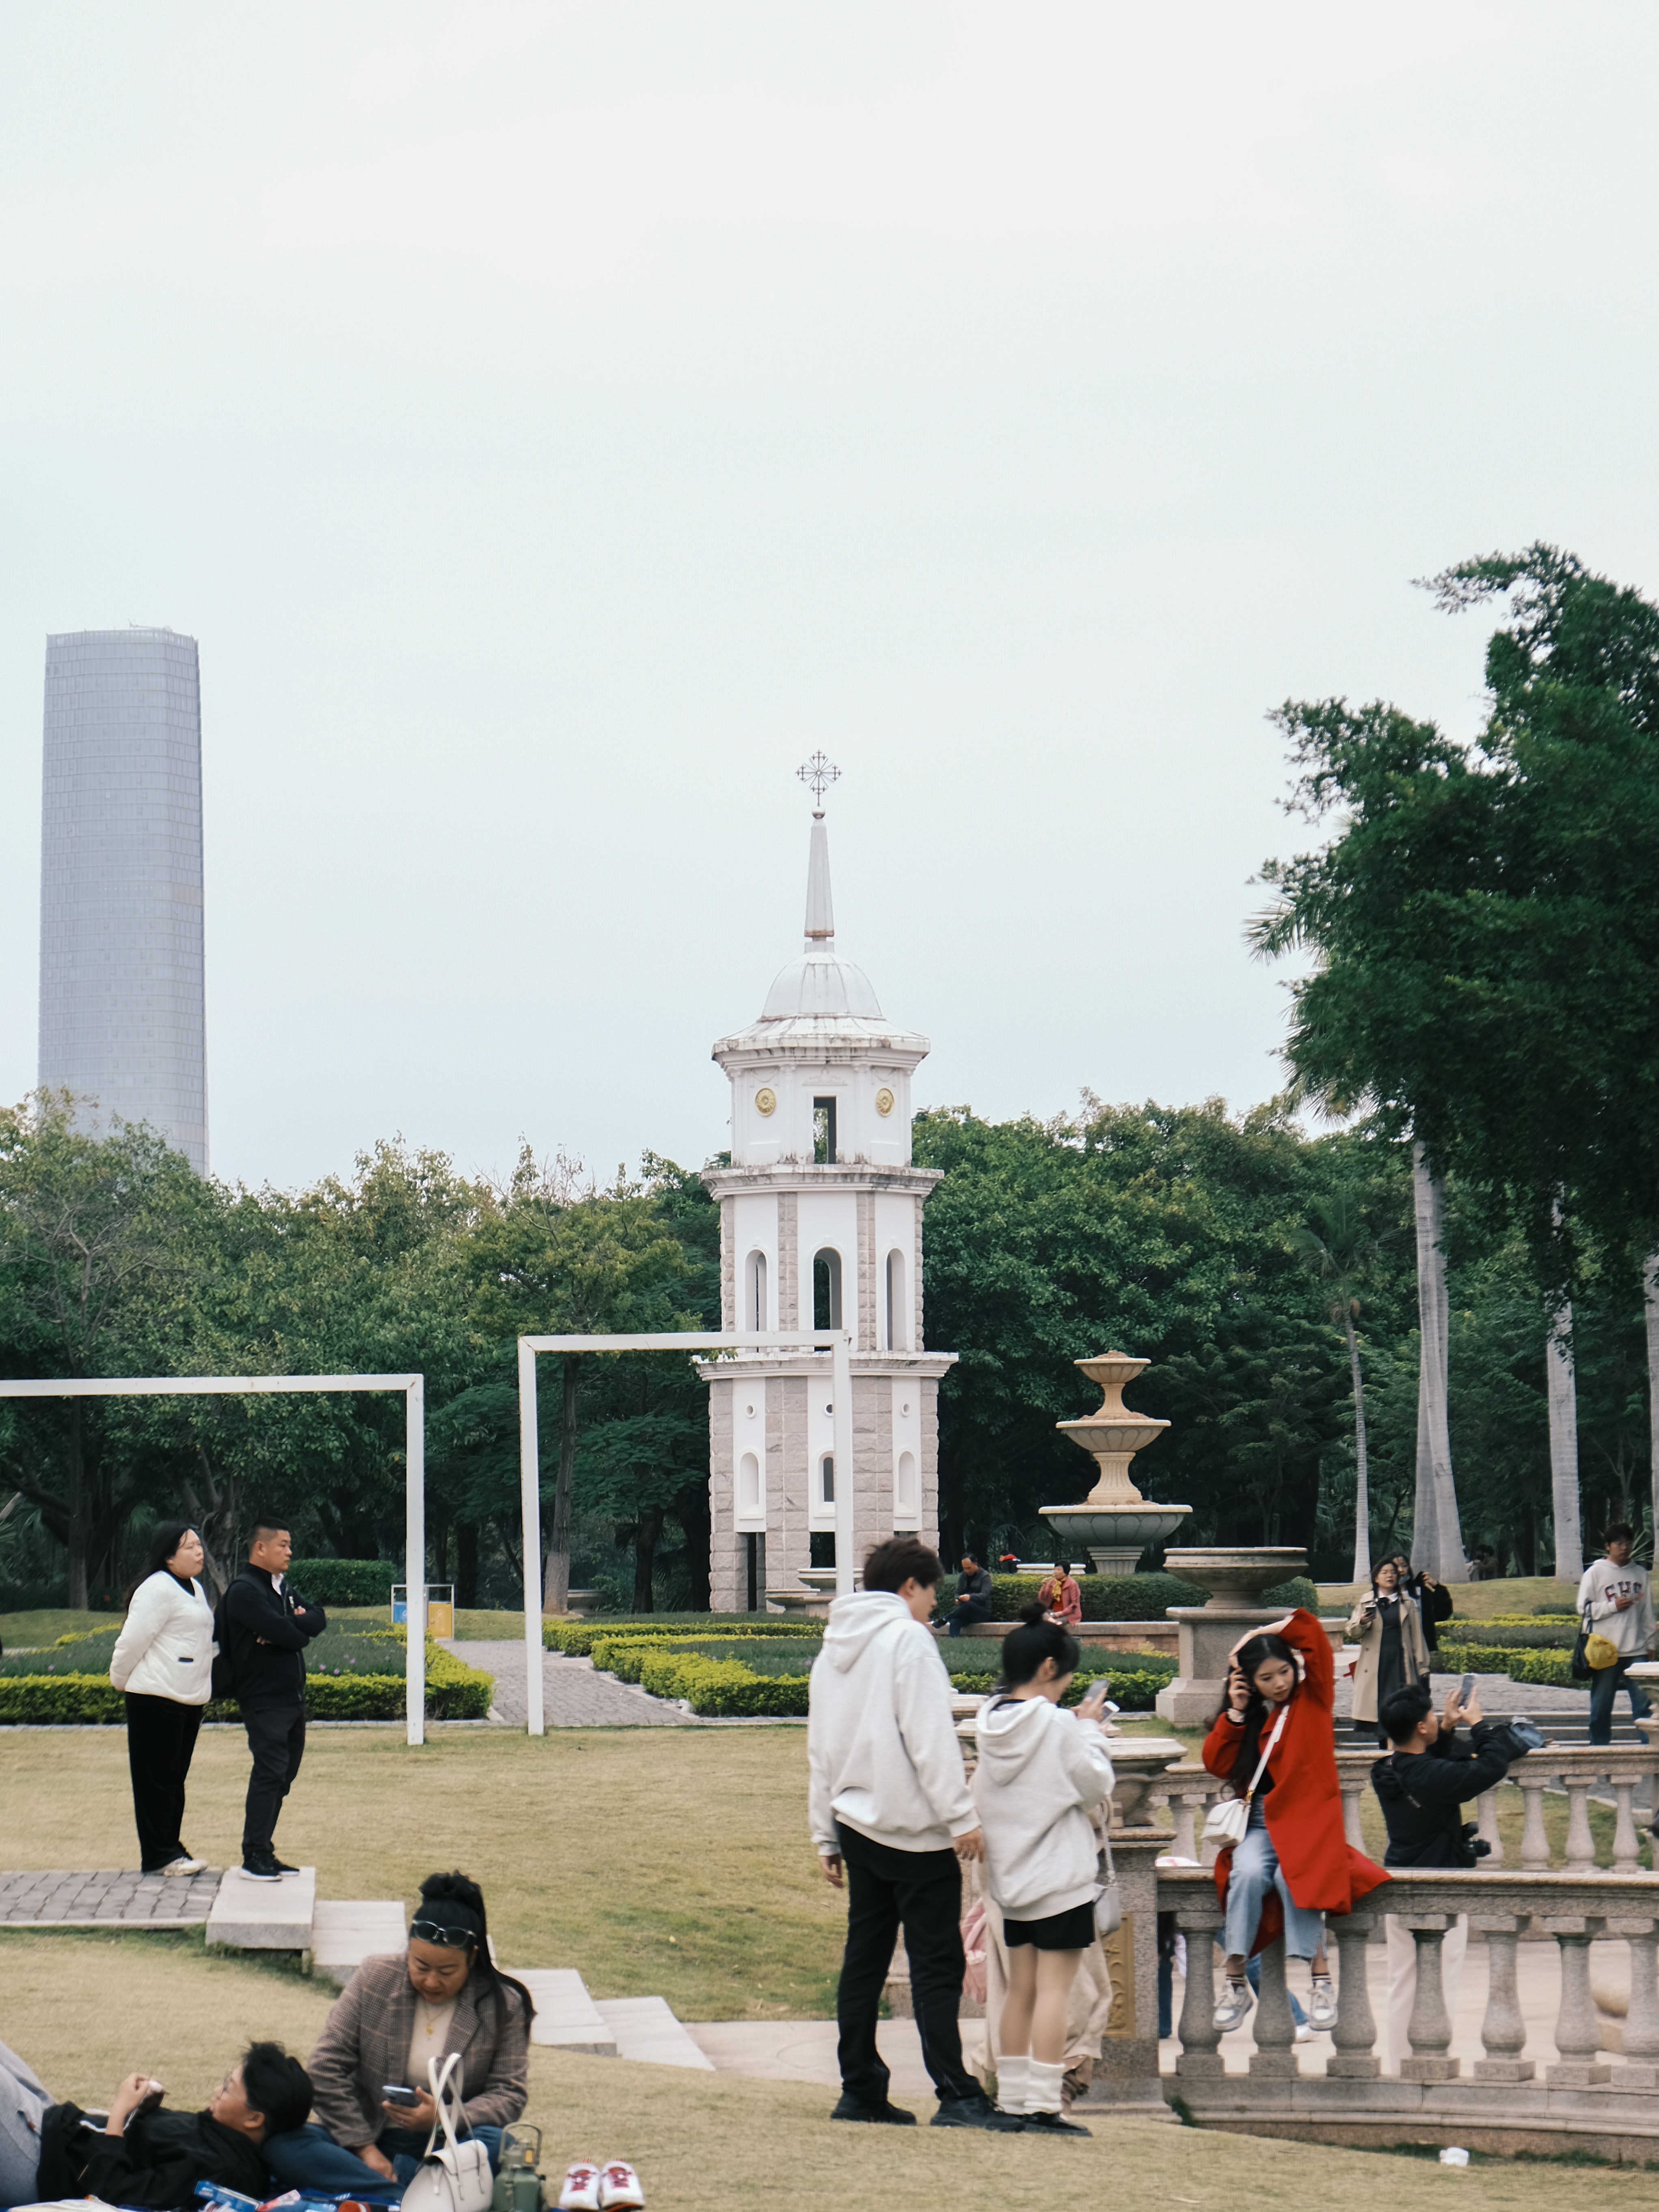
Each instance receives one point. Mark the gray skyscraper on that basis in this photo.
(122, 1015)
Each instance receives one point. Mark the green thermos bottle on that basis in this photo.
(519, 2185)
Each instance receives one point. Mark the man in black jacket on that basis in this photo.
(136, 2155)
(268, 1629)
(1422, 1785)
(973, 1596)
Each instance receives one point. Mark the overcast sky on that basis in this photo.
(555, 422)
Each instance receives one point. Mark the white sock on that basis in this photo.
(1042, 2086)
(1013, 2083)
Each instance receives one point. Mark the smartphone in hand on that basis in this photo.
(396, 2093)
(1466, 1690)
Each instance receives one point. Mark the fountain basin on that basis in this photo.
(1115, 1537)
(1235, 1576)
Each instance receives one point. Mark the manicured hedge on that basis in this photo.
(1125, 1597)
(576, 1639)
(345, 1582)
(454, 1691)
(1513, 1635)
(1552, 1670)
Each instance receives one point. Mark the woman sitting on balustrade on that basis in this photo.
(1274, 1741)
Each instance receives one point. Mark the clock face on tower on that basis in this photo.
(766, 1101)
(885, 1101)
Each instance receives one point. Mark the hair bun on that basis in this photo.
(1033, 1613)
(458, 1888)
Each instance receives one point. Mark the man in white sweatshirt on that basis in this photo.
(1618, 1596)
(891, 1814)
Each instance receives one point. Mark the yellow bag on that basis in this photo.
(1600, 1652)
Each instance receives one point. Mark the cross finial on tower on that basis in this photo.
(819, 771)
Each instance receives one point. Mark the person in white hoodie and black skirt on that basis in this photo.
(1041, 1772)
(163, 1660)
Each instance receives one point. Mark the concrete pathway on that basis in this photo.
(574, 1694)
(805, 2051)
(58, 1898)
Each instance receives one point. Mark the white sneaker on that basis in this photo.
(1304, 2032)
(1233, 2006)
(1321, 2005)
(187, 1866)
(581, 2192)
(619, 2187)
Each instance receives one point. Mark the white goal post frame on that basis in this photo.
(240, 1386)
(837, 1342)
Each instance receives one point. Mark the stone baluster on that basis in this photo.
(1503, 2032)
(1578, 2029)
(1626, 1844)
(1352, 1791)
(1430, 2029)
(1485, 1822)
(1580, 1845)
(1184, 1811)
(1534, 1844)
(1355, 2032)
(1200, 2038)
(1641, 2035)
(1275, 2027)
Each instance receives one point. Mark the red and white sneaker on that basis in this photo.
(581, 2192)
(619, 2187)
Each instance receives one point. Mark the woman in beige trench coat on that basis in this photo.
(1393, 1653)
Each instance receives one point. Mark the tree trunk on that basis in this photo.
(213, 1512)
(1564, 1445)
(466, 1564)
(1362, 1496)
(556, 1588)
(1650, 1308)
(1437, 1537)
(645, 1538)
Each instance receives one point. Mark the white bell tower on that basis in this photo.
(820, 1228)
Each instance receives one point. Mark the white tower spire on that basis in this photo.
(820, 909)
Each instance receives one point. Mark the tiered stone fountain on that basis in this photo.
(1234, 1579)
(1114, 1523)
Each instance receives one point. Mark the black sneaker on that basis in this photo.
(282, 1866)
(849, 2107)
(975, 2112)
(262, 1870)
(1053, 2124)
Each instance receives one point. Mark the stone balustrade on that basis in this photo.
(1509, 2102)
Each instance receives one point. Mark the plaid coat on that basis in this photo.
(365, 2043)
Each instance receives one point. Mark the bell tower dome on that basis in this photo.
(820, 1228)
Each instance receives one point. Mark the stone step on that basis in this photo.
(646, 2030)
(265, 1916)
(566, 2018)
(346, 1931)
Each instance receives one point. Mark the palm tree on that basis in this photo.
(1437, 1530)
(1335, 1252)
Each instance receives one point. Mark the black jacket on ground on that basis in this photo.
(158, 2161)
(1429, 1832)
(271, 1672)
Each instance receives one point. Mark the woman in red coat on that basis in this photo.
(1296, 1863)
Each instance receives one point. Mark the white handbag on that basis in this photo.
(1229, 1817)
(1108, 1898)
(454, 2176)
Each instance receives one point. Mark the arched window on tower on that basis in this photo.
(907, 1498)
(755, 1308)
(826, 1288)
(827, 1478)
(749, 1484)
(898, 1321)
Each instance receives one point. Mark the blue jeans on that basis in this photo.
(1605, 1685)
(309, 2158)
(1255, 1872)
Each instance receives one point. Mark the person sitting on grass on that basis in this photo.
(136, 2154)
(442, 1994)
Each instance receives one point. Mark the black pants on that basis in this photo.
(921, 1892)
(160, 1743)
(277, 1737)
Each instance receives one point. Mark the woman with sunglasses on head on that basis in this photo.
(1274, 1741)
(442, 1994)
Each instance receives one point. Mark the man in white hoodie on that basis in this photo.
(891, 1813)
(1617, 1597)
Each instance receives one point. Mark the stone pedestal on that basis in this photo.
(1126, 2073)
(1208, 1633)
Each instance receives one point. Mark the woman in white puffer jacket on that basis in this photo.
(1042, 1772)
(163, 1660)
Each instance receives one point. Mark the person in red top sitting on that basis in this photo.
(1296, 1863)
(1060, 1596)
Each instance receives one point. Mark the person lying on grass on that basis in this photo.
(137, 2154)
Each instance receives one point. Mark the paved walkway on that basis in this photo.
(1496, 1694)
(573, 1694)
(58, 1898)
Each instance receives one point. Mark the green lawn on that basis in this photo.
(1474, 1601)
